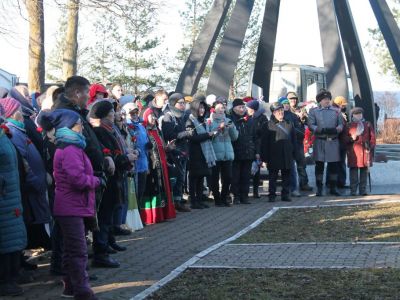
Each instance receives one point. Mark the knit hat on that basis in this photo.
(221, 99)
(253, 104)
(237, 102)
(100, 109)
(247, 99)
(340, 101)
(94, 89)
(210, 99)
(58, 118)
(322, 95)
(10, 106)
(175, 97)
(275, 106)
(283, 100)
(127, 108)
(356, 110)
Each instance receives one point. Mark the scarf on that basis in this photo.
(360, 126)
(206, 146)
(18, 124)
(66, 136)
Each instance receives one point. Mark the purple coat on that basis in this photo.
(75, 183)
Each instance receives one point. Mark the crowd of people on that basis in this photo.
(80, 158)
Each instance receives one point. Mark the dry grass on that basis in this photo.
(282, 284)
(334, 224)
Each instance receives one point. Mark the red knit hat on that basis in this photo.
(247, 99)
(10, 106)
(94, 89)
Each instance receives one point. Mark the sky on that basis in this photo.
(297, 28)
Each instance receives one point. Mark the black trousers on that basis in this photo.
(9, 267)
(273, 177)
(341, 170)
(141, 183)
(223, 169)
(241, 174)
(333, 172)
(195, 188)
(56, 247)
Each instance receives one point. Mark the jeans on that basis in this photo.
(223, 168)
(293, 178)
(75, 254)
(241, 174)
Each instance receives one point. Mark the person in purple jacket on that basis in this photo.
(74, 198)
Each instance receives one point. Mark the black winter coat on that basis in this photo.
(298, 126)
(197, 163)
(93, 147)
(278, 146)
(114, 191)
(173, 127)
(247, 145)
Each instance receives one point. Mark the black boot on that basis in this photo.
(319, 188)
(333, 190)
(104, 261)
(256, 195)
(117, 247)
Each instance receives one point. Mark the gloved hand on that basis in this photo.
(331, 131)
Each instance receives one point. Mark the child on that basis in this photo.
(74, 198)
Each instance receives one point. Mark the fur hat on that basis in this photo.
(10, 106)
(322, 94)
(340, 101)
(100, 109)
(275, 106)
(356, 110)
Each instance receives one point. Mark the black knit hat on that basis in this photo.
(175, 97)
(275, 106)
(237, 102)
(322, 94)
(100, 109)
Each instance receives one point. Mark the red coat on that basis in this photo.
(358, 156)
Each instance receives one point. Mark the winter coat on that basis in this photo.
(36, 179)
(114, 191)
(326, 146)
(173, 127)
(12, 228)
(247, 144)
(360, 150)
(197, 165)
(93, 146)
(75, 183)
(140, 141)
(278, 145)
(222, 142)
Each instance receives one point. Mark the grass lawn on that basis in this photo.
(378, 223)
(283, 284)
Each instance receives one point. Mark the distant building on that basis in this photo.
(7, 80)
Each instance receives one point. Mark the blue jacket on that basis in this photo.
(222, 142)
(12, 228)
(35, 182)
(137, 130)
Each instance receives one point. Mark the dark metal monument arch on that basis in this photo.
(337, 32)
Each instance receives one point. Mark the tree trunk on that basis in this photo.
(71, 40)
(36, 45)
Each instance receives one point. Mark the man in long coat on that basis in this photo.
(326, 123)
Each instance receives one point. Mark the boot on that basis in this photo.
(195, 203)
(104, 261)
(319, 188)
(333, 190)
(117, 247)
(256, 195)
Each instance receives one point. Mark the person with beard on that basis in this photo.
(256, 112)
(278, 145)
(359, 139)
(173, 127)
(201, 152)
(326, 123)
(246, 149)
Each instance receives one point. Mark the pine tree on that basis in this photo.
(379, 48)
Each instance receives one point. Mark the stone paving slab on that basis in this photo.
(303, 255)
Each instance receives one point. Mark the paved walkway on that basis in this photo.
(304, 255)
(158, 249)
